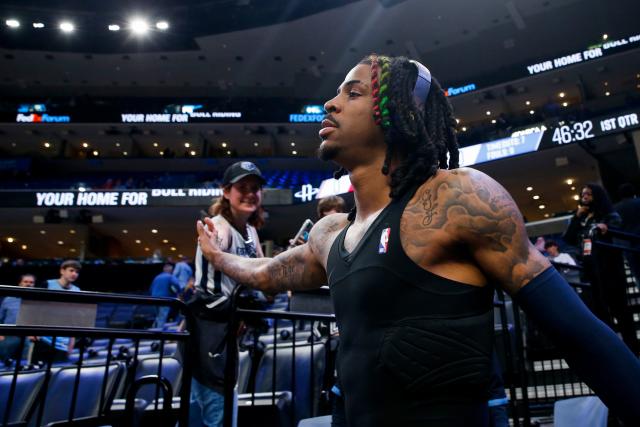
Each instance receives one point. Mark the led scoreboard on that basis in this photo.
(587, 129)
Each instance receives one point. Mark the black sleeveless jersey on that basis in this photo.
(415, 348)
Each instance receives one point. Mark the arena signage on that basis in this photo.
(120, 198)
(157, 197)
(41, 118)
(306, 193)
(594, 52)
(187, 116)
(453, 91)
(305, 118)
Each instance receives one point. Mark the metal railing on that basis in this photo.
(105, 412)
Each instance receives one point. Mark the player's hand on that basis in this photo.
(208, 239)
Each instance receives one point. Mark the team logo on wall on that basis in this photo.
(383, 247)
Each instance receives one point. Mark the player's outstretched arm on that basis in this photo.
(295, 269)
(493, 229)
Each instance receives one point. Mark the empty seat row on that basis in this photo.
(95, 384)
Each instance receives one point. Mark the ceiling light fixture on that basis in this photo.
(138, 26)
(67, 27)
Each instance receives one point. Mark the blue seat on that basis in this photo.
(304, 406)
(59, 394)
(27, 388)
(171, 370)
(588, 411)
(244, 371)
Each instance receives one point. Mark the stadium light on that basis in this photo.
(139, 26)
(38, 25)
(66, 27)
(162, 25)
(12, 23)
(114, 27)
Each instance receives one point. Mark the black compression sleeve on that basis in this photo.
(590, 347)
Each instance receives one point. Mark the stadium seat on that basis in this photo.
(316, 422)
(171, 370)
(27, 387)
(244, 371)
(588, 411)
(60, 391)
(303, 388)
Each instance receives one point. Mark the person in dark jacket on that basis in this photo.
(602, 267)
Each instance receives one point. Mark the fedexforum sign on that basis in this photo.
(127, 198)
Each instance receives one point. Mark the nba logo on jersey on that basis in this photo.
(383, 247)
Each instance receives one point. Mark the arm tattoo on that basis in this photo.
(483, 217)
(287, 270)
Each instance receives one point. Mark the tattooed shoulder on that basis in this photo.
(324, 232)
(472, 209)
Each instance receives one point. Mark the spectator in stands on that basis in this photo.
(8, 316)
(69, 273)
(412, 269)
(553, 250)
(236, 215)
(44, 347)
(166, 285)
(183, 271)
(629, 209)
(330, 205)
(605, 271)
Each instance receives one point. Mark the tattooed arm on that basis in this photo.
(296, 269)
(482, 215)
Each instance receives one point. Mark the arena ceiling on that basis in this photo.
(285, 48)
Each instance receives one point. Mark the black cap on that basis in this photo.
(239, 170)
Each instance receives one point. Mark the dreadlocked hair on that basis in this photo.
(421, 140)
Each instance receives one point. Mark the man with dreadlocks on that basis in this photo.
(413, 267)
